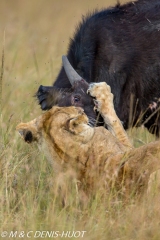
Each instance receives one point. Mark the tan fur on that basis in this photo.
(100, 158)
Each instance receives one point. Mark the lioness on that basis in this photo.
(101, 158)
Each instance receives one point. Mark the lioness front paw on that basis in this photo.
(104, 98)
(97, 105)
(100, 90)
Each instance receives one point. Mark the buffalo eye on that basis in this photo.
(76, 99)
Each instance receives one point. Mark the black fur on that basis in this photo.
(121, 46)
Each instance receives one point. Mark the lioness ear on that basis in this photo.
(72, 124)
(75, 124)
(27, 132)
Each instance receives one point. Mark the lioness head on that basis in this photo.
(59, 132)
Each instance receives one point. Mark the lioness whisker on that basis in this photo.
(93, 122)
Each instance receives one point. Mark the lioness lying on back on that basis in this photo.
(100, 158)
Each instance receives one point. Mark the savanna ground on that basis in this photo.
(33, 37)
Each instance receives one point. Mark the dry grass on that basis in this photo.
(36, 35)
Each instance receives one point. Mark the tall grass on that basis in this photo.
(2, 71)
(36, 36)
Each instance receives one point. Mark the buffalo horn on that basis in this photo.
(71, 73)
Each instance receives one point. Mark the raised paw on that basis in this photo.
(97, 105)
(102, 92)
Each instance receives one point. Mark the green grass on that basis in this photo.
(36, 36)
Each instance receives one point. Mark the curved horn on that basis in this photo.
(72, 75)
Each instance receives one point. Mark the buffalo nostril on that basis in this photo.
(41, 88)
(45, 89)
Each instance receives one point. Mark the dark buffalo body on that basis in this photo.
(121, 46)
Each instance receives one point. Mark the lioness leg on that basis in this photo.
(104, 104)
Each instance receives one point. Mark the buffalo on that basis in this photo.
(121, 46)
